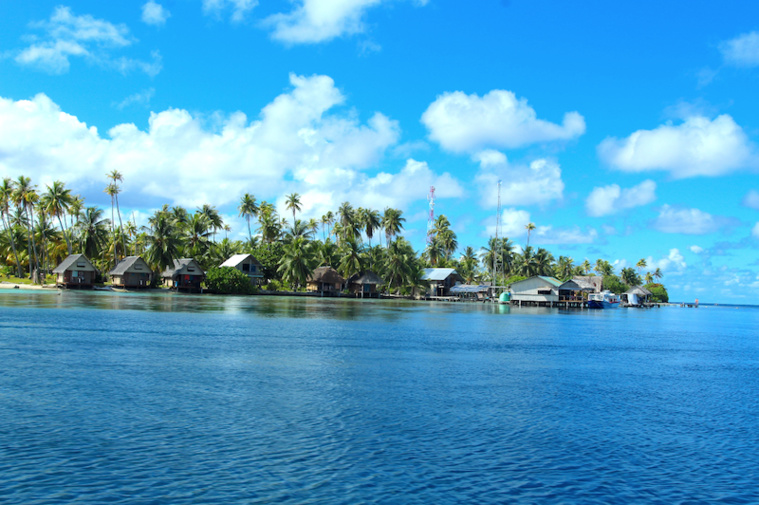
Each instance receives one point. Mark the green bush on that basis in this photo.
(228, 281)
(274, 285)
(658, 293)
(614, 284)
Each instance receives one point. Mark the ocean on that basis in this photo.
(149, 399)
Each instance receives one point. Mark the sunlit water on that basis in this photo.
(147, 399)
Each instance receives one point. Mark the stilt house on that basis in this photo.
(184, 275)
(75, 272)
(131, 273)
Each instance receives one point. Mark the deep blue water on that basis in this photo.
(144, 399)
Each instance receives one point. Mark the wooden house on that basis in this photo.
(247, 264)
(537, 290)
(365, 284)
(325, 280)
(184, 275)
(578, 287)
(75, 272)
(439, 281)
(131, 273)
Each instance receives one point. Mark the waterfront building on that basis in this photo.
(326, 281)
(131, 272)
(75, 272)
(184, 275)
(439, 281)
(365, 284)
(537, 290)
(247, 264)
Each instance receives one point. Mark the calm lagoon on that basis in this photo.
(146, 399)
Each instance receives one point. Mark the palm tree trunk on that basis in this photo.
(30, 217)
(65, 234)
(13, 246)
(121, 226)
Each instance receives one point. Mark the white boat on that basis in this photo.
(603, 300)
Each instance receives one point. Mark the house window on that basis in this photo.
(245, 267)
(137, 266)
(80, 264)
(190, 269)
(544, 292)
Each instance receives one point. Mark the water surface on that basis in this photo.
(109, 398)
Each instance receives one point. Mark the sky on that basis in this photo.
(622, 130)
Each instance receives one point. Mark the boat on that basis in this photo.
(603, 300)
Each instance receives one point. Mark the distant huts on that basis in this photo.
(365, 284)
(326, 281)
(184, 275)
(75, 272)
(578, 288)
(439, 281)
(131, 273)
(636, 296)
(538, 290)
(247, 264)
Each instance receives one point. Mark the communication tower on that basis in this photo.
(431, 217)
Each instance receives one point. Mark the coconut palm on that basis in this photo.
(392, 222)
(55, 202)
(248, 208)
(565, 268)
(543, 262)
(197, 235)
(162, 241)
(630, 277)
(214, 218)
(349, 221)
(6, 197)
(116, 177)
(372, 221)
(529, 227)
(586, 266)
(327, 253)
(25, 197)
(92, 232)
(657, 273)
(649, 278)
(351, 261)
(327, 220)
(641, 264)
(297, 262)
(292, 202)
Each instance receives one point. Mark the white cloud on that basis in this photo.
(696, 147)
(314, 21)
(513, 222)
(610, 199)
(751, 199)
(538, 183)
(240, 8)
(187, 160)
(688, 221)
(742, 51)
(544, 235)
(142, 98)
(67, 35)
(469, 123)
(696, 249)
(674, 261)
(154, 13)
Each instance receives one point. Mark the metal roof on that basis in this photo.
(459, 289)
(551, 280)
(127, 263)
(438, 274)
(70, 261)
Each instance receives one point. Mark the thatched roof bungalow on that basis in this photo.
(131, 272)
(75, 272)
(184, 275)
(365, 284)
(635, 297)
(325, 280)
(247, 264)
(577, 287)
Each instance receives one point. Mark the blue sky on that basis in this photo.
(622, 130)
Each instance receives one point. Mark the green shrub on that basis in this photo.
(658, 293)
(614, 284)
(228, 281)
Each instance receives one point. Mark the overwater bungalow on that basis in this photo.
(131, 273)
(439, 281)
(75, 272)
(579, 287)
(184, 275)
(326, 281)
(538, 290)
(365, 284)
(247, 264)
(637, 296)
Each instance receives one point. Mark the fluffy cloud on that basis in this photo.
(154, 13)
(314, 21)
(674, 261)
(67, 35)
(513, 222)
(742, 51)
(751, 199)
(469, 123)
(688, 221)
(537, 183)
(610, 199)
(696, 249)
(240, 8)
(696, 147)
(188, 160)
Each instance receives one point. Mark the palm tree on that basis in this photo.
(392, 222)
(544, 262)
(6, 197)
(468, 265)
(649, 278)
(529, 227)
(372, 221)
(75, 208)
(248, 208)
(657, 273)
(214, 218)
(116, 177)
(641, 264)
(196, 235)
(630, 276)
(565, 268)
(92, 231)
(327, 220)
(55, 202)
(297, 262)
(163, 242)
(351, 261)
(292, 202)
(400, 264)
(25, 196)
(586, 267)
(349, 222)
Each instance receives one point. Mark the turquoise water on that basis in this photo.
(146, 399)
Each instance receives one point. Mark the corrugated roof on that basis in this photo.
(469, 288)
(437, 274)
(551, 280)
(127, 263)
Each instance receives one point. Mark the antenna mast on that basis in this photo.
(431, 217)
(497, 259)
